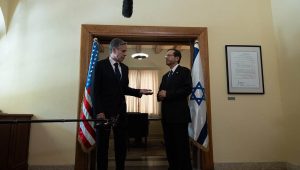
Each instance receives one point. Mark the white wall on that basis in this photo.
(286, 18)
(39, 70)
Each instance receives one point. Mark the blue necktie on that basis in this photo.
(117, 71)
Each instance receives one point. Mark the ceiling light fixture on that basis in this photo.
(139, 56)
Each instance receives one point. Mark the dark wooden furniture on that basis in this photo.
(138, 126)
(14, 142)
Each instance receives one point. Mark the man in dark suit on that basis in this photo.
(174, 90)
(110, 87)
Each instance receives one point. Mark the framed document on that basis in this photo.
(244, 69)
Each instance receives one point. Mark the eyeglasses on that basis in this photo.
(169, 55)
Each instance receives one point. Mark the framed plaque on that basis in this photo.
(244, 69)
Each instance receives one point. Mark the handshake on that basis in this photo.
(146, 91)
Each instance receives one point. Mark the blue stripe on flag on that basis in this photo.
(196, 51)
(203, 134)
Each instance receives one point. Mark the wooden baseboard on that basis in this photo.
(252, 166)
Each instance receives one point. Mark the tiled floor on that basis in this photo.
(139, 157)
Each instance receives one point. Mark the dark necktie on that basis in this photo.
(169, 75)
(117, 71)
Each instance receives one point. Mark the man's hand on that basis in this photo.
(101, 116)
(162, 94)
(146, 91)
(159, 98)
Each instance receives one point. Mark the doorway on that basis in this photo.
(146, 35)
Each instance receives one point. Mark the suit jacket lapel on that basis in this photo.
(167, 83)
(110, 69)
(175, 74)
(122, 71)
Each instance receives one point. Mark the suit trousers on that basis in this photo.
(102, 145)
(177, 146)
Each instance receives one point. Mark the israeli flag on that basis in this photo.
(198, 126)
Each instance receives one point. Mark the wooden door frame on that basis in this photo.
(144, 35)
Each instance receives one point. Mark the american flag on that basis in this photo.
(86, 135)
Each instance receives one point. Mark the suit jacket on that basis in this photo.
(174, 107)
(109, 92)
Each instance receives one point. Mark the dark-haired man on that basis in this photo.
(110, 87)
(175, 87)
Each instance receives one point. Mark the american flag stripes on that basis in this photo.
(86, 134)
(198, 129)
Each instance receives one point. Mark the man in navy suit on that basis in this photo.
(175, 87)
(110, 88)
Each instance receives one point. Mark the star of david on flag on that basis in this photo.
(198, 129)
(198, 93)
